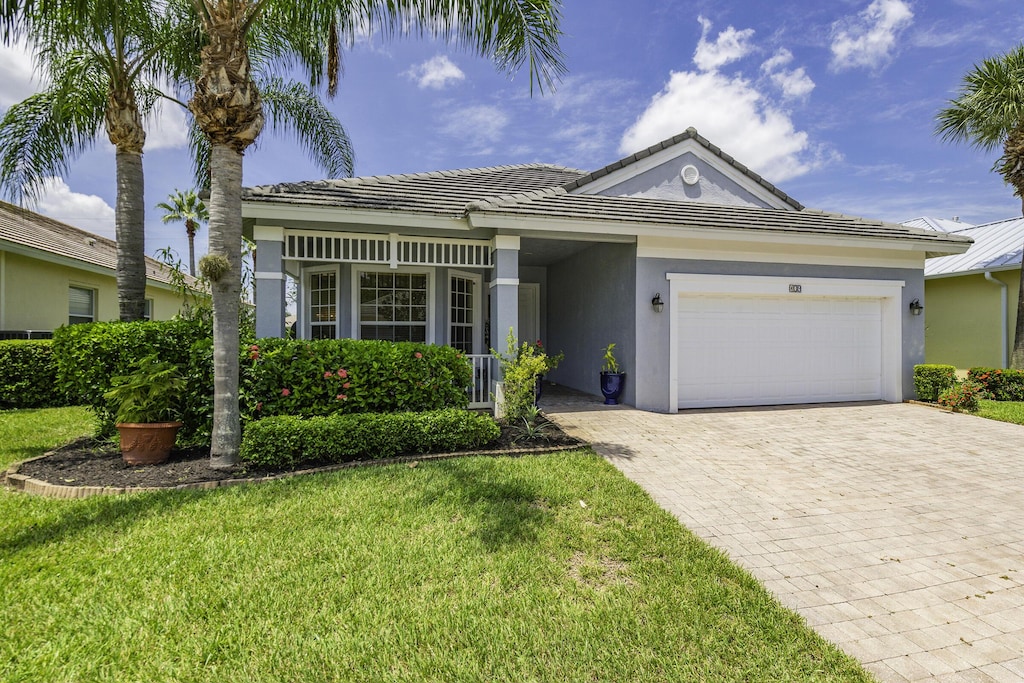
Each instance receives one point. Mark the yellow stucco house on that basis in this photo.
(971, 298)
(53, 274)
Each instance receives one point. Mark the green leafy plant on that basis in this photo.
(28, 375)
(963, 396)
(520, 368)
(610, 364)
(1000, 384)
(149, 394)
(930, 380)
(530, 427)
(551, 362)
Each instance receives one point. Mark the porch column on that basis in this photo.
(504, 292)
(269, 280)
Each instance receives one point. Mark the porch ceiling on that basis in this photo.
(544, 252)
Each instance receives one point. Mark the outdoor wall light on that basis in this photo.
(658, 304)
(916, 307)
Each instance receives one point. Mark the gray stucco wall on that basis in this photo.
(652, 332)
(663, 182)
(591, 303)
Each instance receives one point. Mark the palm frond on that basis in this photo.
(990, 103)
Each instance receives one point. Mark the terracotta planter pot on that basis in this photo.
(147, 443)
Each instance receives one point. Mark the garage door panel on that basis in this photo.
(748, 350)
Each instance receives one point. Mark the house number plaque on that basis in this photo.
(795, 289)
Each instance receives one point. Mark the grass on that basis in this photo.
(550, 568)
(28, 433)
(1004, 411)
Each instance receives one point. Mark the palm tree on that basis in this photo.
(101, 59)
(228, 109)
(188, 207)
(989, 114)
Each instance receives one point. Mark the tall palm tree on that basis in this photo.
(227, 107)
(186, 207)
(988, 113)
(100, 59)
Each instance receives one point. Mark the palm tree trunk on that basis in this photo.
(225, 240)
(130, 221)
(190, 228)
(1012, 170)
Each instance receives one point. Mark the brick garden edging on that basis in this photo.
(38, 487)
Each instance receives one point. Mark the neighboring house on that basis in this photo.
(764, 301)
(972, 298)
(939, 224)
(52, 274)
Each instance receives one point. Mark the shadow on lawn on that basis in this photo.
(509, 510)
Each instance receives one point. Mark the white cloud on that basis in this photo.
(436, 73)
(730, 46)
(166, 127)
(794, 83)
(16, 74)
(85, 211)
(868, 39)
(478, 126)
(733, 115)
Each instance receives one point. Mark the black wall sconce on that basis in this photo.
(916, 307)
(658, 304)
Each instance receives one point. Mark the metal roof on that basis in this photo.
(940, 224)
(38, 233)
(997, 246)
(444, 193)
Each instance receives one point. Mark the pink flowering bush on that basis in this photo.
(963, 396)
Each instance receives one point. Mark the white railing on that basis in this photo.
(480, 391)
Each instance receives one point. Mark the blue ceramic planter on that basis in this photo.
(612, 384)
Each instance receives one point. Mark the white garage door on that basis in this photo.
(744, 350)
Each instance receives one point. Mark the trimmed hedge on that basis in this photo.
(310, 378)
(1000, 384)
(288, 441)
(28, 375)
(930, 380)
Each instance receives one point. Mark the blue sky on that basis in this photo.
(834, 102)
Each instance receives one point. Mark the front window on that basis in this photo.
(323, 305)
(81, 305)
(462, 309)
(393, 306)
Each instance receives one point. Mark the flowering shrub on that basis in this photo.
(288, 441)
(520, 368)
(963, 396)
(28, 375)
(930, 380)
(1000, 384)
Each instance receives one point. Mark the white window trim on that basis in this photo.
(305, 301)
(478, 295)
(431, 298)
(890, 292)
(95, 300)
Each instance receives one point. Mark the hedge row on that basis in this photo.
(930, 380)
(277, 376)
(1000, 384)
(28, 377)
(288, 441)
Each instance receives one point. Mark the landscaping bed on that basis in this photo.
(92, 462)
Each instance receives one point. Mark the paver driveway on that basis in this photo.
(896, 530)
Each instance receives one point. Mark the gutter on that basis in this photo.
(1003, 307)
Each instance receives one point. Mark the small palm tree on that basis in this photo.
(188, 207)
(988, 113)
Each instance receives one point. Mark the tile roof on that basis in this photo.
(997, 246)
(37, 232)
(444, 193)
(689, 134)
(559, 204)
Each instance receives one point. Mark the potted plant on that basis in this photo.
(145, 408)
(612, 378)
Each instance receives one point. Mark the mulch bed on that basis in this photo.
(91, 462)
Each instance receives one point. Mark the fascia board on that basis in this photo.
(295, 213)
(525, 224)
(660, 157)
(976, 271)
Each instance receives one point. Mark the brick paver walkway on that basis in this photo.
(897, 531)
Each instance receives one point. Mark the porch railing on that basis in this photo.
(480, 390)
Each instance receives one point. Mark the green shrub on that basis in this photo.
(28, 375)
(313, 378)
(287, 441)
(520, 368)
(963, 396)
(1000, 384)
(930, 380)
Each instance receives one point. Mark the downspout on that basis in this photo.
(1003, 307)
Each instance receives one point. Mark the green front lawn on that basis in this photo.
(1004, 411)
(550, 568)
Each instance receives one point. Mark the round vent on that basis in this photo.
(689, 174)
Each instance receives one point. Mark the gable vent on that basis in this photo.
(690, 174)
